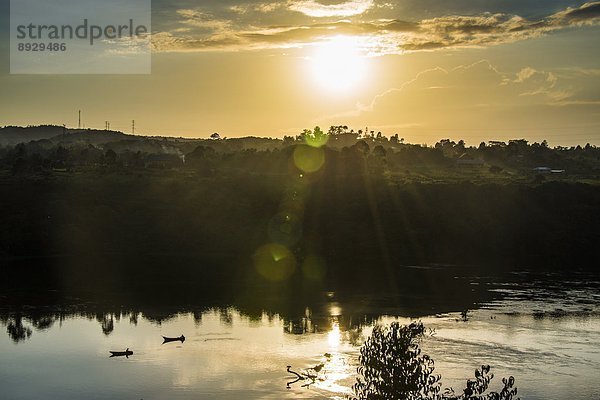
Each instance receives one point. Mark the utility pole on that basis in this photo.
(79, 123)
(133, 127)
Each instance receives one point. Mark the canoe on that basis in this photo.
(125, 353)
(167, 339)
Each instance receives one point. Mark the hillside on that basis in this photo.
(12, 135)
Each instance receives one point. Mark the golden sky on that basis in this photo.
(461, 69)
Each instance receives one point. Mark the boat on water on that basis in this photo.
(125, 353)
(167, 339)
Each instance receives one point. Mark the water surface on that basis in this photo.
(544, 330)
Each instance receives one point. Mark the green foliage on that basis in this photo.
(315, 138)
(393, 368)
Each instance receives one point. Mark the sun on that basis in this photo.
(338, 64)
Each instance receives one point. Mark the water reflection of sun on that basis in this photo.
(334, 336)
(337, 374)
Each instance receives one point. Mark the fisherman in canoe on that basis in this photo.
(173, 339)
(125, 353)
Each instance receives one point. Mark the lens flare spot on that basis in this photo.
(274, 262)
(309, 159)
(317, 138)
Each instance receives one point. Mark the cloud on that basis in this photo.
(259, 8)
(316, 9)
(379, 36)
(197, 19)
(583, 14)
(541, 82)
(480, 97)
(490, 29)
(481, 82)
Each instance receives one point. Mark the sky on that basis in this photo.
(423, 69)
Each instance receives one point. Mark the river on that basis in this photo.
(543, 329)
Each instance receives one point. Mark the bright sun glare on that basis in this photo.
(338, 64)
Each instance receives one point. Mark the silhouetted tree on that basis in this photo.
(393, 368)
(202, 159)
(379, 151)
(362, 147)
(110, 157)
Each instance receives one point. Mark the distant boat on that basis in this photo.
(173, 339)
(125, 353)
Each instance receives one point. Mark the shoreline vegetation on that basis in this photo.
(340, 210)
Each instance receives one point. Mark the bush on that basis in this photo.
(393, 368)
